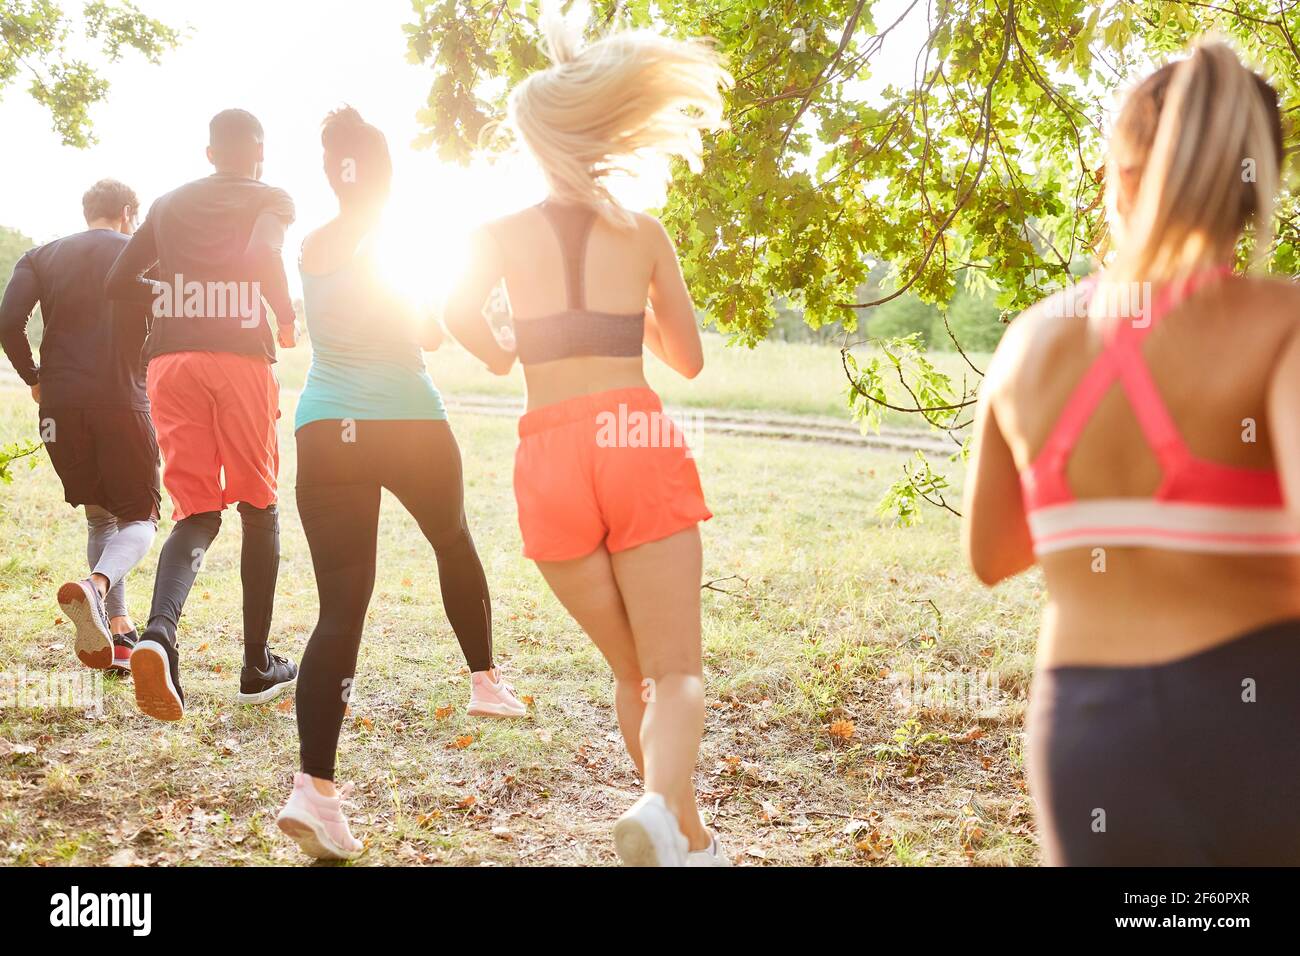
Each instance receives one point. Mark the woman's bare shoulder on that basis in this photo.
(1040, 334)
(1276, 298)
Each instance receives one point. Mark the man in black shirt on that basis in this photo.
(216, 243)
(94, 414)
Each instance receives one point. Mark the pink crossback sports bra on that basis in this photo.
(1200, 506)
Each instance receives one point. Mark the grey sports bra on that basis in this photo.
(576, 330)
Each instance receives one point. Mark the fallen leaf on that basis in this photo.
(460, 743)
(468, 802)
(842, 729)
(442, 713)
(125, 857)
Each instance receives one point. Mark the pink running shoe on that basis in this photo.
(490, 696)
(317, 823)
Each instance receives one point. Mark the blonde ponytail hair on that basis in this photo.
(600, 109)
(1205, 133)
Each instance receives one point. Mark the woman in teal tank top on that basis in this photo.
(369, 418)
(367, 363)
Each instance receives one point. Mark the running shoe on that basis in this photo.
(123, 645)
(84, 607)
(712, 855)
(257, 685)
(648, 835)
(155, 670)
(490, 696)
(316, 822)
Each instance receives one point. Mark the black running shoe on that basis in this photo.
(257, 685)
(123, 645)
(155, 669)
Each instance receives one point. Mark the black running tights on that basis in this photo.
(342, 467)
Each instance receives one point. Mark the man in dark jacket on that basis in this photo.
(94, 413)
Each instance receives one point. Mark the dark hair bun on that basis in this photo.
(364, 167)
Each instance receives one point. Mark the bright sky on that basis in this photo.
(289, 62)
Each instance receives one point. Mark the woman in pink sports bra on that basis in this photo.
(1139, 438)
(608, 495)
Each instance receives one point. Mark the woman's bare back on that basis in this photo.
(1212, 359)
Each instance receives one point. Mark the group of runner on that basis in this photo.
(1164, 714)
(162, 338)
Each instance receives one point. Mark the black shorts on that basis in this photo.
(105, 457)
(1193, 762)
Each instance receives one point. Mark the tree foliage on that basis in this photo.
(36, 40)
(982, 160)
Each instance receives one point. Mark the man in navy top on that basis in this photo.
(94, 413)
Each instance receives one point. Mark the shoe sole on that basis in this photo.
(271, 693)
(634, 844)
(94, 644)
(313, 842)
(495, 710)
(155, 694)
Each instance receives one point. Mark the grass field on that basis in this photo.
(780, 377)
(810, 757)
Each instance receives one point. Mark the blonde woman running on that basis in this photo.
(612, 527)
(1145, 450)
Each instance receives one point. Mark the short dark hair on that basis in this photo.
(233, 132)
(359, 166)
(105, 200)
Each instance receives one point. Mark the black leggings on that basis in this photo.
(342, 467)
(1194, 762)
(259, 565)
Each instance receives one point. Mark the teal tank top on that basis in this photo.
(366, 361)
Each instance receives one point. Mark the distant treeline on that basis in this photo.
(973, 318)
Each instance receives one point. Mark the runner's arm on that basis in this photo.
(464, 313)
(265, 259)
(21, 296)
(673, 312)
(1284, 416)
(125, 281)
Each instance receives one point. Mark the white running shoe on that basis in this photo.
(648, 835)
(712, 855)
(81, 602)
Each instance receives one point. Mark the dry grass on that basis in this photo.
(807, 759)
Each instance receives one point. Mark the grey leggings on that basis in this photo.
(113, 548)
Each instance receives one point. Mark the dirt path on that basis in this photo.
(818, 429)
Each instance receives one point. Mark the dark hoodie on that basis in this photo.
(201, 236)
(90, 348)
